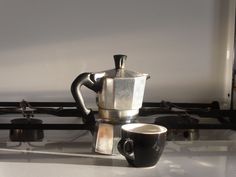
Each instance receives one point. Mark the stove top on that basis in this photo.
(67, 141)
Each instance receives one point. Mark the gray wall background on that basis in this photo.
(45, 44)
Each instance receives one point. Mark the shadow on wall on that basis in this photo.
(44, 45)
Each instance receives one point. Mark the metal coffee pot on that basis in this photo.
(119, 94)
(119, 91)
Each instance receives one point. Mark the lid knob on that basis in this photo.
(119, 61)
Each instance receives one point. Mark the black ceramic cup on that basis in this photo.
(142, 144)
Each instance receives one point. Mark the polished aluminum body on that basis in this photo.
(121, 96)
(121, 93)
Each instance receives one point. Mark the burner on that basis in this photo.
(174, 121)
(26, 135)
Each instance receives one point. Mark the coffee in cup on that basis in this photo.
(142, 144)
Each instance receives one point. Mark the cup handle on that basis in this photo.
(123, 146)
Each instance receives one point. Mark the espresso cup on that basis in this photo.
(142, 144)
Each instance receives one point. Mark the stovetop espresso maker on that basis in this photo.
(119, 98)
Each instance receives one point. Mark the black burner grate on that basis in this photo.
(226, 118)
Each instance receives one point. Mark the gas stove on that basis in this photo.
(201, 137)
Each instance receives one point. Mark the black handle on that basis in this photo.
(126, 148)
(86, 79)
